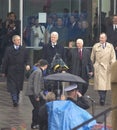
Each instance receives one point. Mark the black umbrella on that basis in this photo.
(65, 77)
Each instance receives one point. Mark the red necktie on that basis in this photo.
(80, 53)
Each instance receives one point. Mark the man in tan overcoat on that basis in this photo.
(102, 56)
(114, 94)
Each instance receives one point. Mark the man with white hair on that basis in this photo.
(102, 56)
(50, 49)
(81, 64)
(48, 52)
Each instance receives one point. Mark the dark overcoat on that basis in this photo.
(14, 66)
(81, 67)
(49, 52)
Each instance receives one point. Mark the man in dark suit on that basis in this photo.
(73, 28)
(111, 32)
(50, 50)
(81, 64)
(15, 61)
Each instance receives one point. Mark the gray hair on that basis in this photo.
(80, 41)
(55, 34)
(15, 36)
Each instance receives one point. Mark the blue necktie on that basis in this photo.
(103, 46)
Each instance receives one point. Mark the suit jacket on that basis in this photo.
(73, 32)
(112, 35)
(79, 67)
(49, 52)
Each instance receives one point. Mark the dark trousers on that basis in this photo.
(36, 106)
(35, 118)
(102, 94)
(15, 97)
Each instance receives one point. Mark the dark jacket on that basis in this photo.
(49, 52)
(43, 118)
(112, 35)
(14, 67)
(80, 67)
(81, 102)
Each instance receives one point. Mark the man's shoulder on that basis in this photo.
(96, 45)
(47, 44)
(9, 48)
(110, 45)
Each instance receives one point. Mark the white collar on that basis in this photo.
(54, 44)
(16, 46)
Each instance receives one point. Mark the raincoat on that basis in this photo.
(65, 115)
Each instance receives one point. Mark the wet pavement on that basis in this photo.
(21, 116)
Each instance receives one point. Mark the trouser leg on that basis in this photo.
(15, 96)
(15, 99)
(102, 94)
(35, 118)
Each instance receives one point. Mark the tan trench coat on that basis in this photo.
(114, 94)
(102, 60)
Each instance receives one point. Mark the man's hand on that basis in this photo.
(79, 94)
(90, 73)
(63, 97)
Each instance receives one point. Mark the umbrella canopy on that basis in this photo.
(65, 77)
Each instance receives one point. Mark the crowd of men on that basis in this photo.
(79, 61)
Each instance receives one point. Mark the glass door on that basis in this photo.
(102, 12)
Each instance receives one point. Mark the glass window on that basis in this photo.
(72, 19)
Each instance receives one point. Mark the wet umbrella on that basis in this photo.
(64, 77)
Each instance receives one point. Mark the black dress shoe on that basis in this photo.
(15, 104)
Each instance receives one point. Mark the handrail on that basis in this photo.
(40, 47)
(95, 117)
